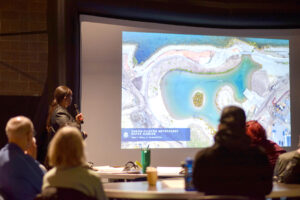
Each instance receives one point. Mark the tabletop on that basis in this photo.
(174, 189)
(118, 173)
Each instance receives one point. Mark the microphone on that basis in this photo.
(77, 111)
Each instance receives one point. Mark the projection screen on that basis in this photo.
(163, 86)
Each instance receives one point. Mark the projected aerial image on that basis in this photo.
(174, 87)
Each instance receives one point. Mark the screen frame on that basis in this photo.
(64, 27)
(163, 154)
(63, 22)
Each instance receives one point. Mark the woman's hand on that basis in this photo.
(79, 118)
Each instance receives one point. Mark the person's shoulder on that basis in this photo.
(256, 153)
(6, 159)
(4, 151)
(14, 155)
(22, 166)
(205, 153)
(297, 155)
(89, 174)
(60, 109)
(272, 146)
(57, 108)
(4, 148)
(287, 155)
(84, 170)
(90, 171)
(202, 152)
(33, 166)
(50, 173)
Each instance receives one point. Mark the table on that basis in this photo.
(174, 189)
(118, 173)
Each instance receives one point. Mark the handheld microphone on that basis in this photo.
(77, 111)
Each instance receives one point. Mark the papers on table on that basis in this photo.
(109, 169)
(161, 171)
(178, 184)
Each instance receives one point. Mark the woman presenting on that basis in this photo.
(58, 115)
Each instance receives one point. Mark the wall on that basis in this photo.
(23, 58)
(23, 47)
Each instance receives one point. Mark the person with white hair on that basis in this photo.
(20, 174)
(66, 156)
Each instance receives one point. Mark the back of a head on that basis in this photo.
(233, 118)
(17, 128)
(60, 92)
(231, 133)
(255, 131)
(66, 149)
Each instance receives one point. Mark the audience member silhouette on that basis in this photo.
(287, 168)
(20, 174)
(232, 166)
(66, 155)
(258, 136)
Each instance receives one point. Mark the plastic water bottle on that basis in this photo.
(188, 178)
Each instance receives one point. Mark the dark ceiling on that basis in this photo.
(209, 13)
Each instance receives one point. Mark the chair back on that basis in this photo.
(56, 193)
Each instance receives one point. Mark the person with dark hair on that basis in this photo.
(232, 166)
(58, 115)
(287, 168)
(258, 136)
(20, 174)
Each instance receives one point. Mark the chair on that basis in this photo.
(53, 193)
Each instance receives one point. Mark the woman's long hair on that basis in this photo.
(59, 94)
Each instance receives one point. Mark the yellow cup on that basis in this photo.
(151, 176)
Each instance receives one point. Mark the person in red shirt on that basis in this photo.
(258, 136)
